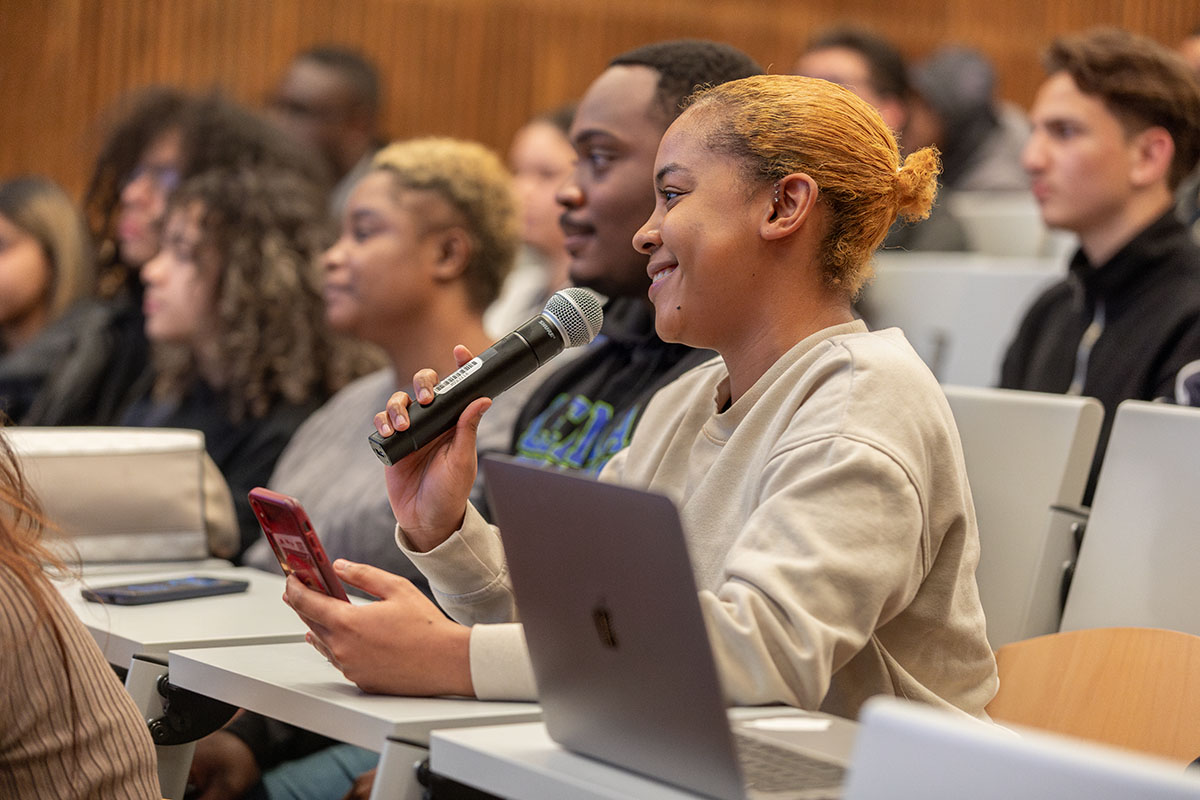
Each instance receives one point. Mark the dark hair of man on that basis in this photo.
(360, 75)
(684, 65)
(560, 117)
(218, 133)
(889, 73)
(1142, 83)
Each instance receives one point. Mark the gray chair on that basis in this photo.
(1140, 560)
(959, 310)
(1026, 453)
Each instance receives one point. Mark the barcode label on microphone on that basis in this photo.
(458, 376)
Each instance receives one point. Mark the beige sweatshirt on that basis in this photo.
(830, 527)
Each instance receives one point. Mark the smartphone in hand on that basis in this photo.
(296, 545)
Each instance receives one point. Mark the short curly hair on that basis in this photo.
(263, 230)
(1142, 84)
(475, 183)
(684, 65)
(777, 125)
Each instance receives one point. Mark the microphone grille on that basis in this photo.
(578, 313)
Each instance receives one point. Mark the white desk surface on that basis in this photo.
(295, 684)
(254, 616)
(523, 761)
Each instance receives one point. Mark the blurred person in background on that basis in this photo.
(1116, 129)
(329, 99)
(873, 68)
(161, 138)
(426, 239)
(955, 109)
(46, 280)
(233, 308)
(541, 158)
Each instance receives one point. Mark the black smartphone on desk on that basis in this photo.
(162, 591)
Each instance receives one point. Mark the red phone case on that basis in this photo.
(291, 536)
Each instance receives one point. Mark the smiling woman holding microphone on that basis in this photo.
(815, 463)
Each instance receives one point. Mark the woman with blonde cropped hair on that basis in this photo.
(815, 463)
(427, 237)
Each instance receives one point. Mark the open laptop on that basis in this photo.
(620, 652)
(907, 751)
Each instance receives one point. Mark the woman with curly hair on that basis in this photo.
(163, 137)
(233, 310)
(815, 463)
(68, 729)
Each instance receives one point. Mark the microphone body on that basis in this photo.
(563, 324)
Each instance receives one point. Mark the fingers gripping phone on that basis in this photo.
(296, 545)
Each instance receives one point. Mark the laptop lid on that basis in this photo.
(906, 751)
(618, 643)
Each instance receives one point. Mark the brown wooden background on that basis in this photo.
(469, 68)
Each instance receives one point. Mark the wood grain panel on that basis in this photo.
(469, 68)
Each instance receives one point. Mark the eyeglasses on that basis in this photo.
(164, 176)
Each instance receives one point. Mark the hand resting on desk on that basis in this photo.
(402, 644)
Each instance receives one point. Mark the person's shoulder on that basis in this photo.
(887, 350)
(19, 613)
(368, 389)
(697, 368)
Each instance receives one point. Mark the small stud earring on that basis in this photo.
(776, 200)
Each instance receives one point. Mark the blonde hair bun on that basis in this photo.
(916, 184)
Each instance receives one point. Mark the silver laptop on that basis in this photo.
(624, 669)
(907, 751)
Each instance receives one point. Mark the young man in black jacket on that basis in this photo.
(1116, 128)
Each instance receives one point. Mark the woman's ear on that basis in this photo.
(791, 204)
(453, 251)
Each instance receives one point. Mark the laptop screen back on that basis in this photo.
(605, 590)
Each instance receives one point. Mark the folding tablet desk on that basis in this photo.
(255, 616)
(295, 684)
(137, 638)
(523, 761)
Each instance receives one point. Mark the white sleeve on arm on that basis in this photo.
(500, 665)
(469, 577)
(467, 572)
(835, 547)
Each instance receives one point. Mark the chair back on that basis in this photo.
(1025, 452)
(910, 751)
(959, 310)
(1140, 559)
(1134, 688)
(1006, 224)
(128, 494)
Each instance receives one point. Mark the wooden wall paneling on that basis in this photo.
(468, 68)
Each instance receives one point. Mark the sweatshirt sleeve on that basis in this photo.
(836, 547)
(467, 572)
(469, 578)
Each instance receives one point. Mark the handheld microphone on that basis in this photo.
(572, 317)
